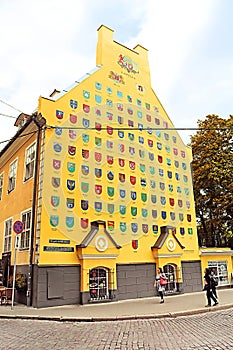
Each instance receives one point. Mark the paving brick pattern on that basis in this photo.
(209, 331)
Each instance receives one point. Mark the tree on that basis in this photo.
(212, 167)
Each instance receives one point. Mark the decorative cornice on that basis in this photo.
(216, 252)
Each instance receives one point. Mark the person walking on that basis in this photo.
(208, 288)
(214, 282)
(160, 283)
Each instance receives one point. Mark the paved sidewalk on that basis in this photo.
(174, 306)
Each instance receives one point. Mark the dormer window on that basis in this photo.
(21, 120)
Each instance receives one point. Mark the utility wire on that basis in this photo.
(11, 106)
(123, 129)
(9, 116)
(29, 133)
(135, 129)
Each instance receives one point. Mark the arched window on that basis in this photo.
(170, 271)
(98, 283)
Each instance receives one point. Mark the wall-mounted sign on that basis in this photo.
(18, 227)
(58, 249)
(61, 241)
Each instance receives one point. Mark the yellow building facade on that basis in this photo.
(113, 191)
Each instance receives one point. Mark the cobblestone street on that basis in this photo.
(212, 331)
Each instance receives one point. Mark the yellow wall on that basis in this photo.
(19, 199)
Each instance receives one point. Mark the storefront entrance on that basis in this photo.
(220, 270)
(5, 269)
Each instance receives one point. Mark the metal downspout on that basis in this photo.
(34, 199)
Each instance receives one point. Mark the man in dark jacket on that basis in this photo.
(208, 287)
(214, 282)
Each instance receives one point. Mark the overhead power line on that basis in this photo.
(7, 104)
(20, 136)
(123, 129)
(8, 116)
(136, 129)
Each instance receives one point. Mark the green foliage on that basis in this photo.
(212, 167)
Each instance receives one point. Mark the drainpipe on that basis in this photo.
(39, 123)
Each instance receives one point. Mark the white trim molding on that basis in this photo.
(204, 252)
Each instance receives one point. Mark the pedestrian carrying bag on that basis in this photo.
(215, 281)
(163, 281)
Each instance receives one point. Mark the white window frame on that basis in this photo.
(12, 176)
(1, 185)
(221, 271)
(30, 157)
(25, 234)
(8, 227)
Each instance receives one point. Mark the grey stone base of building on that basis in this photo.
(60, 285)
(135, 281)
(56, 285)
(192, 276)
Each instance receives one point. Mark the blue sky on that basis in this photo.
(47, 44)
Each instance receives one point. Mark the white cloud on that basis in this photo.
(38, 45)
(169, 34)
(49, 44)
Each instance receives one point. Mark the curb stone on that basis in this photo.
(117, 318)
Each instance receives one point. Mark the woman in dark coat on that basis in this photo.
(208, 288)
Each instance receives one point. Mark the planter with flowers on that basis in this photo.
(20, 286)
(20, 282)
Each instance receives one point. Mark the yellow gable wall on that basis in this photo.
(117, 95)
